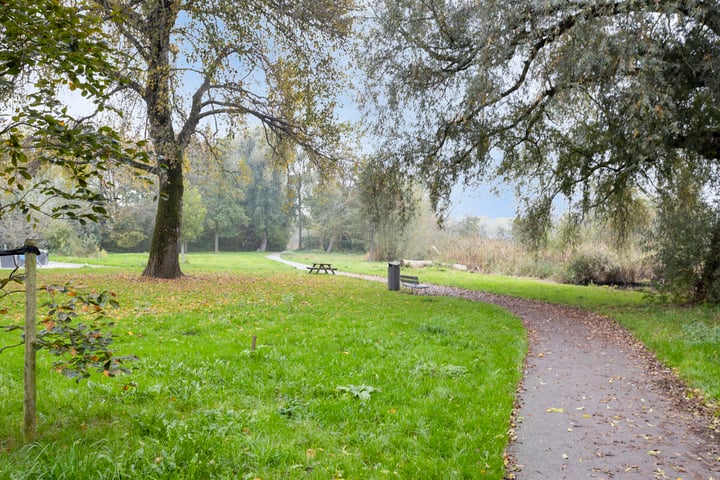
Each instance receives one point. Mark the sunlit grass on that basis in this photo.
(426, 384)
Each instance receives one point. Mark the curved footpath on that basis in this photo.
(594, 403)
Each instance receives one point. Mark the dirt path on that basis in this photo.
(595, 404)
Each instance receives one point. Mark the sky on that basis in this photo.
(480, 201)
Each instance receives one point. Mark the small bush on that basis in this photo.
(604, 267)
(587, 268)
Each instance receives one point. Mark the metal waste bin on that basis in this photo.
(393, 275)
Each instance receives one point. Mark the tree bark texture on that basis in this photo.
(164, 260)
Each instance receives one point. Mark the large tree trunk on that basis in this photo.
(164, 261)
(217, 239)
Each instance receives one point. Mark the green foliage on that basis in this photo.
(361, 392)
(74, 330)
(682, 240)
(52, 162)
(388, 202)
(64, 239)
(194, 212)
(130, 228)
(593, 267)
(265, 201)
(222, 176)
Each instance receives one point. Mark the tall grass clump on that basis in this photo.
(497, 256)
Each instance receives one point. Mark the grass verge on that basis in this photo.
(347, 380)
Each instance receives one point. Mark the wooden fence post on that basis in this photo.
(29, 401)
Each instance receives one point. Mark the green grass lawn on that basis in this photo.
(685, 338)
(348, 380)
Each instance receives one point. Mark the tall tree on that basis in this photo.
(221, 174)
(266, 200)
(299, 174)
(335, 213)
(595, 101)
(193, 216)
(388, 204)
(189, 61)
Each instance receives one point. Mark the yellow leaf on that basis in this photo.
(555, 410)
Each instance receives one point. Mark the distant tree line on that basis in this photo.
(240, 195)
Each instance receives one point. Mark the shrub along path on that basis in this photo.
(594, 403)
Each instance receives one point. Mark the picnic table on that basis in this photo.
(325, 267)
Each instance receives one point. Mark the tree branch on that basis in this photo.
(195, 114)
(7, 347)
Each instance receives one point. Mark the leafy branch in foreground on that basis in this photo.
(82, 346)
(74, 329)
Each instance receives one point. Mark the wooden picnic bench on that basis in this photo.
(413, 282)
(325, 267)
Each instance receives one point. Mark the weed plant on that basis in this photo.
(346, 380)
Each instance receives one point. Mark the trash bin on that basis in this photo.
(393, 275)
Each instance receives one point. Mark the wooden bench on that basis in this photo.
(325, 267)
(412, 282)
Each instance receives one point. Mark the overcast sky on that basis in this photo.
(482, 202)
